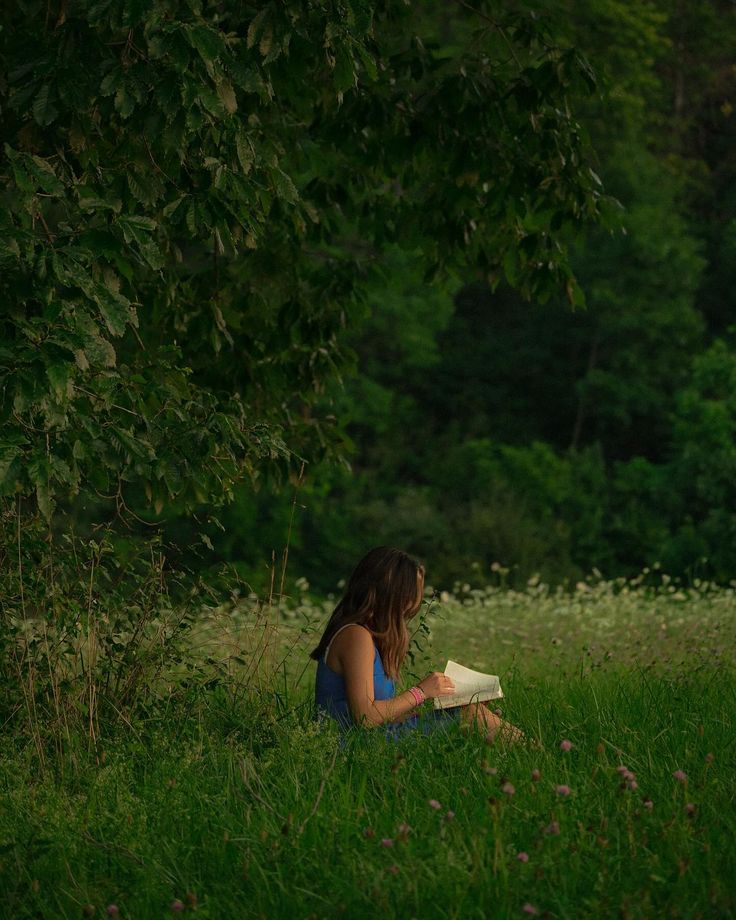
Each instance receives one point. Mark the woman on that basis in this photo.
(364, 644)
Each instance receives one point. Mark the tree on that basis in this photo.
(192, 192)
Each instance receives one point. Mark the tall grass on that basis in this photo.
(218, 795)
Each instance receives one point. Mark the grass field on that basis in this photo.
(227, 804)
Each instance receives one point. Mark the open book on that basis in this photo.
(470, 687)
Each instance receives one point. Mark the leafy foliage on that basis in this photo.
(546, 440)
(187, 217)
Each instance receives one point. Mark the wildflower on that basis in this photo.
(387, 842)
(508, 789)
(562, 789)
(552, 828)
(394, 869)
(632, 784)
(177, 906)
(523, 857)
(648, 804)
(368, 832)
(680, 776)
(404, 830)
(536, 775)
(530, 909)
(433, 803)
(690, 809)
(565, 745)
(112, 910)
(622, 770)
(450, 815)
(491, 771)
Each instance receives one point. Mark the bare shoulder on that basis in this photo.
(352, 644)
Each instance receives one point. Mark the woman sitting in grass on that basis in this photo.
(364, 645)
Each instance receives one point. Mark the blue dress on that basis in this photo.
(331, 701)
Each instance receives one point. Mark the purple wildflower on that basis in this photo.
(433, 803)
(552, 828)
(530, 909)
(387, 842)
(508, 789)
(565, 745)
(177, 906)
(523, 857)
(536, 775)
(680, 776)
(562, 789)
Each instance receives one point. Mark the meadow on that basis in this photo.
(228, 800)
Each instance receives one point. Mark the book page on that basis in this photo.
(470, 686)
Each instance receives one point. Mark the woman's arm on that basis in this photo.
(357, 665)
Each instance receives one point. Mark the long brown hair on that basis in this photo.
(382, 594)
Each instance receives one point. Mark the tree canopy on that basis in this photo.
(195, 192)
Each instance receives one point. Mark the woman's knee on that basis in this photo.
(479, 712)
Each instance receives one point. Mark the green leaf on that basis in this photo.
(575, 294)
(124, 103)
(227, 94)
(44, 111)
(168, 94)
(90, 200)
(254, 29)
(111, 81)
(285, 188)
(245, 152)
(140, 188)
(207, 42)
(59, 377)
(9, 469)
(39, 472)
(153, 255)
(136, 228)
(344, 71)
(171, 207)
(116, 310)
(99, 351)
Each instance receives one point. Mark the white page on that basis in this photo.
(467, 683)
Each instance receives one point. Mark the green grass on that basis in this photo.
(257, 812)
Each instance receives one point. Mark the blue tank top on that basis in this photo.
(330, 695)
(331, 700)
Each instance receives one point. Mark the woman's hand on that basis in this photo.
(437, 684)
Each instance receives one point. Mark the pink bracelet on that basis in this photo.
(418, 694)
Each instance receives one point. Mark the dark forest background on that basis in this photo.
(461, 280)
(483, 429)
